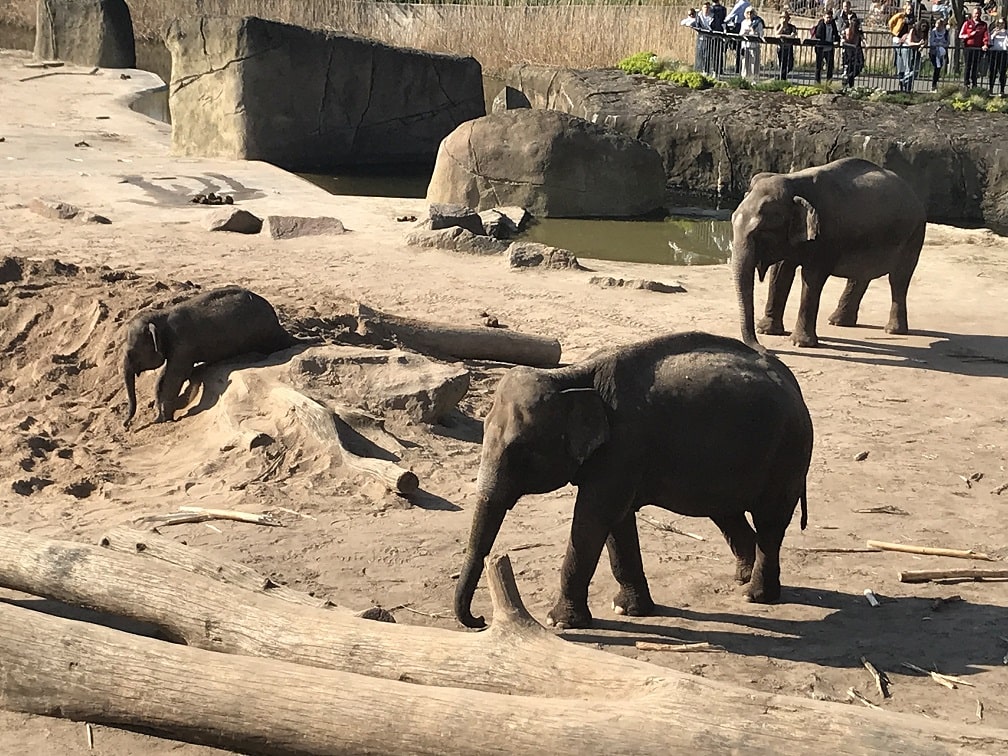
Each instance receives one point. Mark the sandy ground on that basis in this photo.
(928, 408)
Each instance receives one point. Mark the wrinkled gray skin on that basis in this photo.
(697, 424)
(210, 327)
(848, 218)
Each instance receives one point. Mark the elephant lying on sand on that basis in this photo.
(849, 218)
(213, 326)
(698, 424)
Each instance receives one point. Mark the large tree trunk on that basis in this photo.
(81, 671)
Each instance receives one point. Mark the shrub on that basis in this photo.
(646, 63)
(997, 105)
(691, 79)
(806, 90)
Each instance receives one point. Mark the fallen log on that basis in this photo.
(458, 342)
(516, 655)
(968, 573)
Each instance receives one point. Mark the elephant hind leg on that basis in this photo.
(846, 313)
(741, 540)
(765, 586)
(623, 545)
(899, 284)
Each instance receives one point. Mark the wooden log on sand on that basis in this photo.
(459, 342)
(281, 707)
(967, 573)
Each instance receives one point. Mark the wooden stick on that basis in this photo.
(880, 681)
(670, 528)
(948, 681)
(861, 699)
(926, 576)
(650, 646)
(199, 514)
(832, 550)
(929, 551)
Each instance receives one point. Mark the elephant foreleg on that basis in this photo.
(781, 277)
(741, 540)
(846, 313)
(590, 529)
(169, 387)
(623, 545)
(804, 334)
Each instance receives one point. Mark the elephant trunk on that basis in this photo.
(486, 523)
(743, 269)
(129, 376)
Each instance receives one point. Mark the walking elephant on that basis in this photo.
(848, 218)
(698, 424)
(209, 327)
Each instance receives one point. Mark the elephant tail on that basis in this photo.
(804, 509)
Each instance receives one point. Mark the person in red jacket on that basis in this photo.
(973, 35)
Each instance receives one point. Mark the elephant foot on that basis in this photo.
(763, 593)
(843, 319)
(565, 616)
(743, 572)
(800, 339)
(897, 328)
(770, 327)
(633, 603)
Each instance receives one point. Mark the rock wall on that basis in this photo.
(88, 32)
(713, 141)
(251, 89)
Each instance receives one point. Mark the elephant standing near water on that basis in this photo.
(848, 218)
(698, 424)
(210, 327)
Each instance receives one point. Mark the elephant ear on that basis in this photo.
(805, 223)
(154, 337)
(587, 425)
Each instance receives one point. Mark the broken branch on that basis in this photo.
(929, 551)
(880, 679)
(650, 646)
(199, 514)
(969, 573)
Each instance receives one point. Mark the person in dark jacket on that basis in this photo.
(826, 37)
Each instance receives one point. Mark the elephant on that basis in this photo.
(847, 218)
(209, 327)
(698, 424)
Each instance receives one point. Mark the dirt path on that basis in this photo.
(929, 410)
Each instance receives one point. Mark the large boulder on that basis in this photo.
(714, 141)
(88, 32)
(554, 164)
(251, 89)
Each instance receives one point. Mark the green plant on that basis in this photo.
(996, 105)
(807, 90)
(691, 79)
(773, 85)
(646, 63)
(738, 82)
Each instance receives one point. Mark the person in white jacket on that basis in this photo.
(752, 32)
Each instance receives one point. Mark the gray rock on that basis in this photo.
(54, 209)
(246, 88)
(535, 255)
(636, 283)
(444, 215)
(457, 239)
(497, 225)
(552, 163)
(518, 216)
(292, 226)
(714, 141)
(509, 98)
(232, 219)
(88, 32)
(380, 380)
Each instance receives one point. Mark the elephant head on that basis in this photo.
(772, 223)
(143, 350)
(542, 427)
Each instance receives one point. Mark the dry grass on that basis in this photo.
(564, 34)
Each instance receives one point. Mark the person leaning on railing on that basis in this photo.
(973, 33)
(996, 45)
(853, 57)
(899, 26)
(913, 42)
(938, 45)
(788, 34)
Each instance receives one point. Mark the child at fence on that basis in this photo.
(752, 32)
(973, 33)
(938, 45)
(788, 34)
(997, 49)
(853, 51)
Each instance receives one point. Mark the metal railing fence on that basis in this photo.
(804, 61)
